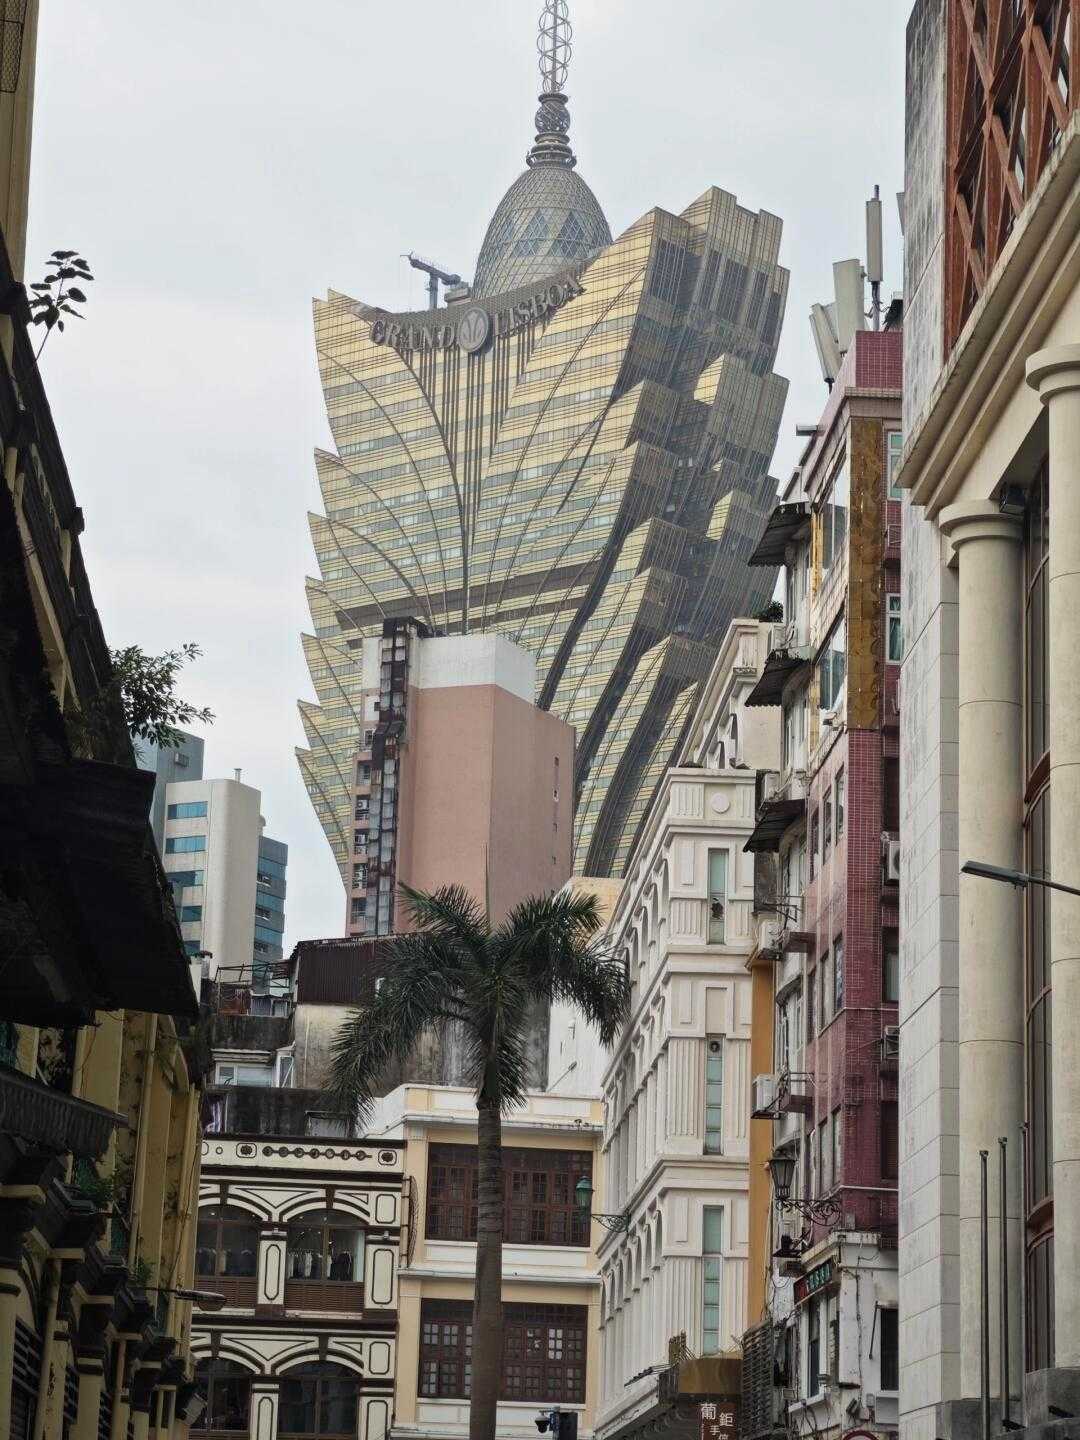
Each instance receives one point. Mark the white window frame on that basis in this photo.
(713, 1125)
(712, 1275)
(894, 449)
(716, 932)
(894, 620)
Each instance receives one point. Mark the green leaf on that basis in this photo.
(76, 294)
(63, 254)
(60, 324)
(39, 285)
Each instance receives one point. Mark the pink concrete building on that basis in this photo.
(461, 779)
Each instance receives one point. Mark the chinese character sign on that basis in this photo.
(719, 1419)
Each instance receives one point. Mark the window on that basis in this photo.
(227, 1387)
(889, 1140)
(811, 1011)
(357, 909)
(543, 1351)
(890, 794)
(319, 1399)
(896, 629)
(814, 832)
(832, 668)
(894, 448)
(890, 967)
(841, 789)
(714, 1089)
(889, 1341)
(712, 1265)
(837, 1145)
(192, 947)
(271, 937)
(184, 844)
(824, 1158)
(226, 1243)
(260, 1075)
(838, 974)
(811, 1165)
(813, 1348)
(185, 879)
(834, 512)
(325, 1245)
(784, 1039)
(825, 971)
(189, 810)
(190, 913)
(538, 1185)
(269, 870)
(826, 826)
(717, 895)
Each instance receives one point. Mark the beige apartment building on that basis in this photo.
(551, 1288)
(459, 779)
(990, 704)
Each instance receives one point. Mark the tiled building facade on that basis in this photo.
(830, 816)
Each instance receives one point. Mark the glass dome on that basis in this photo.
(547, 220)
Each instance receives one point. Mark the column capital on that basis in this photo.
(1053, 371)
(978, 520)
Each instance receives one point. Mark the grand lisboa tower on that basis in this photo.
(574, 451)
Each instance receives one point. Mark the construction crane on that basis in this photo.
(434, 275)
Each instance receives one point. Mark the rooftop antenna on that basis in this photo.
(554, 47)
(434, 275)
(875, 257)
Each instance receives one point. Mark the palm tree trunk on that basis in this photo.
(487, 1346)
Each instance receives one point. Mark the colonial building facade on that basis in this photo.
(302, 1236)
(678, 1083)
(551, 1289)
(990, 718)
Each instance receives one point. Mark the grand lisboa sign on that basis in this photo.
(474, 330)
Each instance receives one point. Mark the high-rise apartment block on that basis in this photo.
(990, 712)
(459, 778)
(227, 878)
(829, 813)
(170, 764)
(573, 453)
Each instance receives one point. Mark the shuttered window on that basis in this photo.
(543, 1352)
(540, 1207)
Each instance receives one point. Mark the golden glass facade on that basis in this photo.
(584, 470)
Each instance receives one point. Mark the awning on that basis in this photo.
(782, 527)
(50, 1118)
(774, 820)
(780, 666)
(87, 914)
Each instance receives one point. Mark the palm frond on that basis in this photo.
(422, 988)
(555, 939)
(449, 912)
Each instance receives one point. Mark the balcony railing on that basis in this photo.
(37, 1113)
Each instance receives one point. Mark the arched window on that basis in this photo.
(227, 1387)
(319, 1399)
(326, 1245)
(227, 1242)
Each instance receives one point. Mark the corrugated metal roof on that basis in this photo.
(339, 971)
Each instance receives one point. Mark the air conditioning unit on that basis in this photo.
(770, 785)
(890, 1043)
(890, 857)
(764, 1105)
(778, 637)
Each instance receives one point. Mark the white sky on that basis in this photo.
(219, 162)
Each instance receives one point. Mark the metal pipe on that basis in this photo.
(984, 1301)
(1003, 1347)
(1023, 1266)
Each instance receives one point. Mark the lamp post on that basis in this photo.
(782, 1174)
(1020, 878)
(583, 1193)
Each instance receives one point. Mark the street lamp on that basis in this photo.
(782, 1173)
(583, 1193)
(209, 1300)
(1019, 878)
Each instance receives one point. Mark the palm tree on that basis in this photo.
(456, 966)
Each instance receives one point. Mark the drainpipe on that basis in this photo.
(138, 1184)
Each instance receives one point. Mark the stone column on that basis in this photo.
(1055, 373)
(263, 1420)
(991, 948)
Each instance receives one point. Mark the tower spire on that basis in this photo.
(551, 146)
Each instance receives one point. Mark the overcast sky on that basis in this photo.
(220, 162)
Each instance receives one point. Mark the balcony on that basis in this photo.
(778, 808)
(787, 523)
(36, 1113)
(341, 1297)
(782, 665)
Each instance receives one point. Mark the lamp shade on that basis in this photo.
(583, 1192)
(782, 1170)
